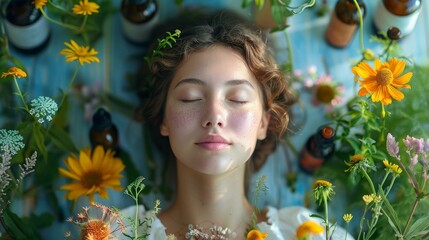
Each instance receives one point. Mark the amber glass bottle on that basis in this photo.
(343, 23)
(26, 28)
(103, 131)
(138, 19)
(402, 14)
(318, 148)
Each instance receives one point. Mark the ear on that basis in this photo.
(164, 129)
(263, 127)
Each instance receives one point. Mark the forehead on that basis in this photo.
(215, 64)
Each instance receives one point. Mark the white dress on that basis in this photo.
(281, 224)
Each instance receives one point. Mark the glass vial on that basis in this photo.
(402, 14)
(138, 18)
(343, 23)
(26, 28)
(103, 131)
(318, 148)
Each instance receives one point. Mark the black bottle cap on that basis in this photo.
(101, 120)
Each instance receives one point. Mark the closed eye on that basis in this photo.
(238, 101)
(190, 100)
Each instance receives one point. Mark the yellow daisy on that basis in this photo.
(94, 172)
(82, 54)
(256, 235)
(40, 3)
(17, 72)
(308, 228)
(347, 217)
(383, 81)
(395, 168)
(85, 8)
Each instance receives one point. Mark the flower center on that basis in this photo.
(384, 77)
(95, 230)
(325, 94)
(91, 178)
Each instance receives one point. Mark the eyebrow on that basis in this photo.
(233, 82)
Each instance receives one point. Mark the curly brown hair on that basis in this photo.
(238, 34)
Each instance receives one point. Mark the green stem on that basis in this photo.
(325, 202)
(68, 87)
(289, 50)
(72, 27)
(384, 179)
(391, 185)
(361, 221)
(61, 9)
(362, 47)
(416, 202)
(20, 93)
(370, 181)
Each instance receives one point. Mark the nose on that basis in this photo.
(215, 115)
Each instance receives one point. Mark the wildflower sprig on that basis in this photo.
(134, 190)
(261, 187)
(322, 192)
(167, 41)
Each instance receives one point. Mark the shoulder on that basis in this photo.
(151, 224)
(284, 222)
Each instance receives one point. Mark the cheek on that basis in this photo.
(180, 119)
(245, 123)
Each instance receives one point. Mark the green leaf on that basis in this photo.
(62, 139)
(39, 139)
(18, 228)
(418, 227)
(390, 212)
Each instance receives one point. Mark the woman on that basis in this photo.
(220, 103)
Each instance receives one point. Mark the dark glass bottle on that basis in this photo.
(402, 14)
(103, 131)
(318, 148)
(26, 28)
(343, 23)
(138, 19)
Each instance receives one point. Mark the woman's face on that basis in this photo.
(214, 112)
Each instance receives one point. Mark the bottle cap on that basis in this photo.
(327, 132)
(101, 120)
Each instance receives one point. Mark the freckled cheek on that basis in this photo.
(179, 120)
(244, 123)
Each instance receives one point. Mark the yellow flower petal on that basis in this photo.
(396, 94)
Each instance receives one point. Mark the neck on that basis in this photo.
(209, 200)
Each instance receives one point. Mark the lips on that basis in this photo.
(213, 142)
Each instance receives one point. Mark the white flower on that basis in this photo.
(43, 108)
(11, 141)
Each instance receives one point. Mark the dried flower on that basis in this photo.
(94, 171)
(40, 3)
(17, 72)
(256, 235)
(322, 190)
(97, 222)
(383, 81)
(11, 141)
(394, 33)
(347, 217)
(82, 54)
(308, 228)
(392, 146)
(392, 167)
(85, 8)
(43, 109)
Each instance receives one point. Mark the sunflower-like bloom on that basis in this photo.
(85, 8)
(82, 54)
(393, 167)
(308, 228)
(256, 235)
(383, 81)
(94, 172)
(14, 71)
(40, 3)
(322, 190)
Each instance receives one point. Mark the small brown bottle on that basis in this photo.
(103, 131)
(402, 14)
(26, 28)
(318, 148)
(138, 18)
(343, 23)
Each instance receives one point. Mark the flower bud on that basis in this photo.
(394, 33)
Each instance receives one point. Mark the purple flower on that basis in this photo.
(392, 146)
(418, 145)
